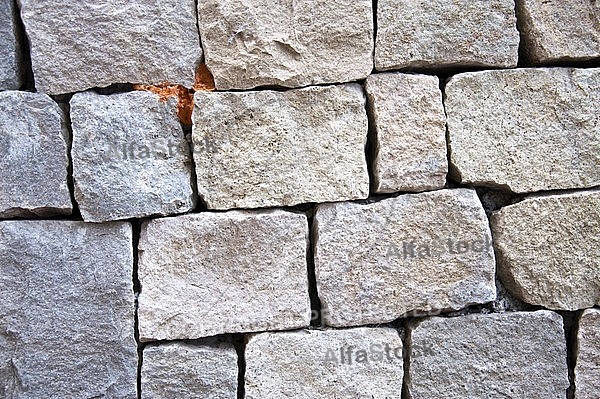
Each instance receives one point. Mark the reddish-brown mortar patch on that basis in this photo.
(185, 97)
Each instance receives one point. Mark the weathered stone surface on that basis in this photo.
(509, 355)
(66, 310)
(410, 126)
(291, 44)
(525, 129)
(558, 31)
(11, 72)
(587, 369)
(354, 363)
(417, 252)
(180, 370)
(442, 34)
(79, 45)
(549, 249)
(268, 148)
(238, 271)
(33, 156)
(130, 157)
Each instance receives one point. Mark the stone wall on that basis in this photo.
(300, 199)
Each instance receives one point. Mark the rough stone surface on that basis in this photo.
(587, 370)
(180, 370)
(309, 364)
(268, 148)
(559, 31)
(104, 42)
(549, 249)
(291, 43)
(441, 34)
(417, 252)
(33, 156)
(238, 271)
(66, 310)
(410, 126)
(525, 129)
(11, 72)
(510, 355)
(130, 157)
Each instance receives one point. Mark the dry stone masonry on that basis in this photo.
(387, 199)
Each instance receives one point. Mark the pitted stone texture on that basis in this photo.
(323, 364)
(180, 370)
(33, 156)
(130, 157)
(441, 34)
(66, 310)
(368, 270)
(104, 42)
(525, 129)
(11, 72)
(549, 250)
(559, 31)
(268, 148)
(238, 271)
(410, 125)
(587, 369)
(290, 44)
(509, 355)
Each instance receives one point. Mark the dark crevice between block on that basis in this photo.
(406, 355)
(24, 52)
(63, 102)
(200, 205)
(453, 178)
(315, 303)
(571, 326)
(372, 147)
(239, 342)
(137, 289)
(375, 27)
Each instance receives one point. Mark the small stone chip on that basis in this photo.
(181, 370)
(130, 157)
(77, 45)
(438, 34)
(424, 252)
(410, 125)
(353, 363)
(214, 273)
(509, 355)
(267, 148)
(525, 129)
(33, 156)
(549, 249)
(587, 369)
(559, 31)
(291, 43)
(11, 68)
(67, 310)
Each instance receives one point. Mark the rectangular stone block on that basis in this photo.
(410, 128)
(414, 253)
(182, 370)
(239, 271)
(509, 355)
(587, 369)
(525, 129)
(80, 45)
(559, 31)
(549, 249)
(33, 156)
(11, 69)
(268, 148)
(439, 34)
(291, 44)
(66, 310)
(352, 363)
(130, 157)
